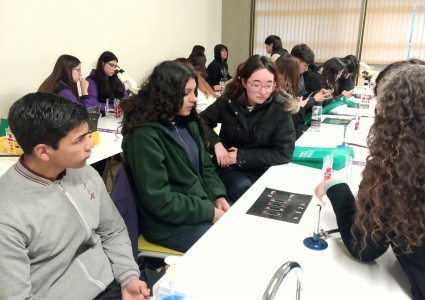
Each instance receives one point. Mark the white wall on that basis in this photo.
(141, 33)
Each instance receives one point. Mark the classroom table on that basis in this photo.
(237, 257)
(109, 144)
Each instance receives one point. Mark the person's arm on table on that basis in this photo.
(344, 206)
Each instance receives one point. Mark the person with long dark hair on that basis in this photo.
(390, 206)
(180, 195)
(288, 67)
(198, 48)
(326, 77)
(206, 95)
(257, 130)
(198, 61)
(104, 82)
(274, 47)
(346, 81)
(63, 80)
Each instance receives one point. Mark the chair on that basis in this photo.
(124, 195)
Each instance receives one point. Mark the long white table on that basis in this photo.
(237, 258)
(109, 144)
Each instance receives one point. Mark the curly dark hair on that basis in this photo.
(245, 70)
(161, 97)
(392, 68)
(388, 70)
(391, 199)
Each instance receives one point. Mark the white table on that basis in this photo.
(237, 258)
(109, 145)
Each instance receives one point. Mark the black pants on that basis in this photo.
(185, 240)
(236, 183)
(113, 290)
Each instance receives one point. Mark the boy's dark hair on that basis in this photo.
(304, 53)
(277, 42)
(44, 118)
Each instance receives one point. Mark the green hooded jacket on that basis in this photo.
(173, 196)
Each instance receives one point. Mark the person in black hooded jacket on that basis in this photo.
(257, 130)
(218, 69)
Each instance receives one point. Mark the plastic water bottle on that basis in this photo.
(365, 99)
(316, 117)
(221, 86)
(170, 287)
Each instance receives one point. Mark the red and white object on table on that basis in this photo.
(328, 162)
(357, 123)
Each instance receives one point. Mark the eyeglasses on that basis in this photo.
(78, 70)
(256, 87)
(113, 66)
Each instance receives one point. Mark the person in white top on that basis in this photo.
(206, 95)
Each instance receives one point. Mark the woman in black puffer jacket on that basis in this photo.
(257, 130)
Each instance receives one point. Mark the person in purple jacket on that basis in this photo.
(104, 82)
(63, 80)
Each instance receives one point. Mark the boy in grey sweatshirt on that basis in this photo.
(61, 236)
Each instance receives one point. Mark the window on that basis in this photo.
(329, 27)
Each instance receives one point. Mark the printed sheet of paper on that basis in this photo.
(280, 205)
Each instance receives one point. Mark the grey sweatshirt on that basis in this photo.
(60, 240)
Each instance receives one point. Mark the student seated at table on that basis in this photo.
(257, 130)
(198, 60)
(206, 95)
(287, 66)
(274, 47)
(326, 77)
(181, 196)
(218, 69)
(305, 58)
(346, 81)
(104, 82)
(61, 235)
(63, 80)
(390, 206)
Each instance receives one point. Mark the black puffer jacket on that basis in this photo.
(264, 137)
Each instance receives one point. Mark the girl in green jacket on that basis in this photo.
(180, 195)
